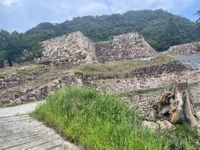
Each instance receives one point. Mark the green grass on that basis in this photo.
(197, 104)
(98, 121)
(188, 136)
(120, 67)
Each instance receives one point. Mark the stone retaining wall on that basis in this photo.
(157, 70)
(15, 79)
(145, 72)
(145, 78)
(124, 47)
(143, 102)
(37, 93)
(73, 49)
(137, 83)
(184, 49)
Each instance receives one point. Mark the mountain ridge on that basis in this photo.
(160, 28)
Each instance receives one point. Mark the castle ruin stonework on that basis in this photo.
(124, 47)
(74, 49)
(184, 49)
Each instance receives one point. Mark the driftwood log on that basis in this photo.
(176, 106)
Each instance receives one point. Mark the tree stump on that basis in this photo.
(176, 106)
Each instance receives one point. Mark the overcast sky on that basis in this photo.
(21, 15)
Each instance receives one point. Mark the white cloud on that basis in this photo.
(10, 2)
(24, 14)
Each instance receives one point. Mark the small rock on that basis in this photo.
(165, 125)
(23, 97)
(31, 99)
(36, 93)
(79, 82)
(198, 114)
(18, 101)
(151, 125)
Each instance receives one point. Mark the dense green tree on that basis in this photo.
(43, 31)
(170, 35)
(18, 47)
(156, 27)
(198, 14)
(14, 47)
(4, 36)
(198, 23)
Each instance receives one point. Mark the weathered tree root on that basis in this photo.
(176, 106)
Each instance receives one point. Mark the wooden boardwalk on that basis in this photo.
(18, 131)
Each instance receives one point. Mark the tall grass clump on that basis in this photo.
(97, 121)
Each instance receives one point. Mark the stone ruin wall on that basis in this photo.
(145, 78)
(76, 49)
(141, 73)
(70, 49)
(73, 49)
(124, 47)
(15, 79)
(142, 102)
(33, 94)
(184, 49)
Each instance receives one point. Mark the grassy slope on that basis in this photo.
(97, 121)
(120, 67)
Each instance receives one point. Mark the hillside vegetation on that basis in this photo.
(160, 28)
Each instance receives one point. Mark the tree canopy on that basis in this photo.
(198, 14)
(160, 28)
(157, 27)
(18, 47)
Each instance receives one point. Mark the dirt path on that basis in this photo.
(18, 131)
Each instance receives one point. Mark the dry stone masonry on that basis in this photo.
(137, 83)
(15, 79)
(185, 49)
(74, 49)
(30, 94)
(124, 47)
(157, 70)
(174, 67)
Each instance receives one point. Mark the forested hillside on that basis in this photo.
(160, 28)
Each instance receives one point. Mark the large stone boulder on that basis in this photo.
(124, 47)
(72, 49)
